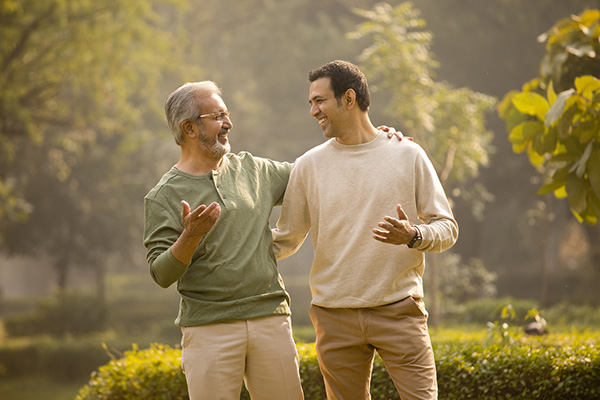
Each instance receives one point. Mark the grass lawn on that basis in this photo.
(38, 388)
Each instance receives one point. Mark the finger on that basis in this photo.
(384, 128)
(391, 223)
(208, 211)
(186, 208)
(401, 214)
(381, 232)
(213, 212)
(379, 238)
(199, 210)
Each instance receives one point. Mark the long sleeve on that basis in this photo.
(294, 223)
(439, 228)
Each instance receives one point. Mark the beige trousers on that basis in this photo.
(348, 337)
(261, 352)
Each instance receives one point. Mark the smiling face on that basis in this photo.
(327, 110)
(212, 131)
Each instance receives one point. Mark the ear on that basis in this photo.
(188, 128)
(349, 98)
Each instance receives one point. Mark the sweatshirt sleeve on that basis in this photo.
(439, 229)
(294, 223)
(160, 232)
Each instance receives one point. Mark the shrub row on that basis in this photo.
(60, 360)
(70, 359)
(532, 372)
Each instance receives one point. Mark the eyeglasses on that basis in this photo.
(218, 116)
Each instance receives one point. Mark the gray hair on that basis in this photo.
(184, 104)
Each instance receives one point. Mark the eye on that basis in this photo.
(221, 116)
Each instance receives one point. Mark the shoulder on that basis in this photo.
(316, 152)
(248, 161)
(163, 184)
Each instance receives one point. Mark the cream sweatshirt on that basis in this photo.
(341, 193)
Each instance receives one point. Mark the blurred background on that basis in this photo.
(83, 138)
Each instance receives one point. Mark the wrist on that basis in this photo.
(416, 240)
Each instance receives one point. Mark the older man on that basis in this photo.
(207, 228)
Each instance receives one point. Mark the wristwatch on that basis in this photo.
(416, 240)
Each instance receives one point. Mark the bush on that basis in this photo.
(534, 369)
(59, 316)
(151, 374)
(61, 360)
(519, 372)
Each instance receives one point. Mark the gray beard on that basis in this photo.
(215, 149)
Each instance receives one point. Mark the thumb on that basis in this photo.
(186, 208)
(401, 214)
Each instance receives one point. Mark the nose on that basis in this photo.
(314, 110)
(227, 122)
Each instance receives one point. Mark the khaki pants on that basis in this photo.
(261, 352)
(348, 337)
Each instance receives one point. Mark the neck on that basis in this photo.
(358, 132)
(197, 164)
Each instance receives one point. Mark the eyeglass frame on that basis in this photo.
(219, 115)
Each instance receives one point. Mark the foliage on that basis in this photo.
(481, 311)
(67, 314)
(461, 281)
(448, 122)
(63, 360)
(153, 374)
(75, 107)
(532, 370)
(519, 372)
(312, 380)
(561, 131)
(572, 49)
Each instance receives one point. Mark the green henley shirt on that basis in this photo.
(233, 274)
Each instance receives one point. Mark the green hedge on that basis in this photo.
(61, 360)
(532, 371)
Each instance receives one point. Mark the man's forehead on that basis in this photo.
(320, 88)
(213, 100)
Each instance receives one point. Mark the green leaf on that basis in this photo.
(532, 104)
(550, 187)
(577, 193)
(556, 111)
(561, 192)
(579, 166)
(593, 211)
(526, 131)
(580, 50)
(594, 172)
(550, 93)
(535, 158)
(586, 131)
(586, 85)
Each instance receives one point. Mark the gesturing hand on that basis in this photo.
(395, 231)
(201, 220)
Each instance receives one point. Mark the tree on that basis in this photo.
(561, 132)
(80, 83)
(448, 122)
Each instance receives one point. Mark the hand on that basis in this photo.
(200, 221)
(395, 231)
(391, 132)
